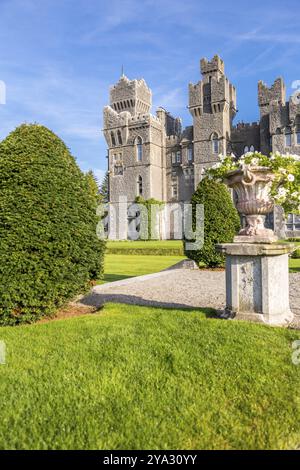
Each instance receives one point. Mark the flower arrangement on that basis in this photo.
(285, 188)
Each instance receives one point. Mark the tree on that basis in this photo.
(49, 250)
(221, 221)
(104, 188)
(93, 185)
(158, 205)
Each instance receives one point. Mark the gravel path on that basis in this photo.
(176, 288)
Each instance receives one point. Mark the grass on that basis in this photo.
(139, 244)
(149, 378)
(294, 265)
(128, 260)
(118, 267)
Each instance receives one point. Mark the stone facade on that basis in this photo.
(152, 156)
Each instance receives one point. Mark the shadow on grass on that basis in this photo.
(113, 278)
(97, 300)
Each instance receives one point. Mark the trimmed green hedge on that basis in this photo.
(221, 221)
(146, 251)
(49, 250)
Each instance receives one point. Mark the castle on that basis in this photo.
(153, 157)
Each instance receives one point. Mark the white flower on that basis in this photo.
(291, 177)
(282, 192)
(254, 161)
(216, 165)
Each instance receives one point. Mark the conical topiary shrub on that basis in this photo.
(221, 221)
(49, 250)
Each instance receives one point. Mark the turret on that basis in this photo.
(276, 94)
(212, 103)
(131, 95)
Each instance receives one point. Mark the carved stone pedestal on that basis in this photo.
(257, 282)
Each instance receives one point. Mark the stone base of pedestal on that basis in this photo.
(255, 239)
(257, 282)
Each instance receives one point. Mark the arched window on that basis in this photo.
(288, 137)
(140, 186)
(113, 140)
(252, 149)
(190, 153)
(297, 122)
(215, 143)
(246, 149)
(120, 138)
(139, 148)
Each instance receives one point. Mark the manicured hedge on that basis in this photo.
(49, 250)
(146, 251)
(221, 221)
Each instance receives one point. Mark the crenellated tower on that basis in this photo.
(271, 102)
(212, 103)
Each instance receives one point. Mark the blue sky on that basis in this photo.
(59, 57)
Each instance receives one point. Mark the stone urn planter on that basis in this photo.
(252, 187)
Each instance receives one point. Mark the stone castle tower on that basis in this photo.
(153, 157)
(212, 103)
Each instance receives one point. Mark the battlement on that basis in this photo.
(173, 138)
(216, 65)
(245, 125)
(131, 95)
(276, 92)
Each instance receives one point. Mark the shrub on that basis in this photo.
(148, 203)
(49, 250)
(296, 254)
(221, 221)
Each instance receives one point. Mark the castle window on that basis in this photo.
(173, 157)
(120, 138)
(293, 222)
(140, 186)
(246, 149)
(178, 156)
(288, 137)
(113, 140)
(139, 148)
(252, 149)
(174, 191)
(118, 170)
(297, 123)
(189, 176)
(190, 154)
(215, 143)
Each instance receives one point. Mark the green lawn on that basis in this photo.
(294, 265)
(117, 267)
(144, 378)
(125, 244)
